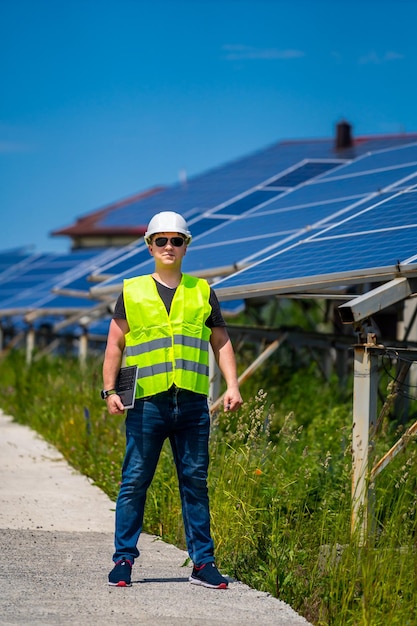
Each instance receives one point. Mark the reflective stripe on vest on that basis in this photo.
(170, 349)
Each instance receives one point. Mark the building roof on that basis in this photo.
(93, 224)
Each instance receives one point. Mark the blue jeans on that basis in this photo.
(183, 417)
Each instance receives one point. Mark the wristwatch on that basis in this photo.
(105, 394)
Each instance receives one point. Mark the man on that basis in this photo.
(165, 322)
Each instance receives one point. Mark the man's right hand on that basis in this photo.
(114, 404)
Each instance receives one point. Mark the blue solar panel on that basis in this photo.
(398, 211)
(350, 187)
(233, 244)
(206, 191)
(208, 224)
(383, 235)
(408, 183)
(79, 283)
(383, 159)
(208, 195)
(78, 278)
(12, 262)
(125, 262)
(268, 223)
(205, 224)
(282, 221)
(32, 281)
(321, 257)
(249, 201)
(15, 265)
(30, 299)
(303, 173)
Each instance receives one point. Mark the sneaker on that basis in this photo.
(208, 575)
(120, 574)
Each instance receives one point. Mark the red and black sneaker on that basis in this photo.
(120, 574)
(208, 575)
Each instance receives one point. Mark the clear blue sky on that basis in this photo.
(101, 99)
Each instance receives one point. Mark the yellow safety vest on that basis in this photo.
(168, 349)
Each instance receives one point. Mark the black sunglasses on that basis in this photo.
(175, 241)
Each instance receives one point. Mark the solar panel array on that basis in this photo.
(222, 237)
(373, 239)
(27, 280)
(287, 214)
(325, 192)
(216, 197)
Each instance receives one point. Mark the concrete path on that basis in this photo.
(56, 543)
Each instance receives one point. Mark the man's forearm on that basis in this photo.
(111, 366)
(227, 364)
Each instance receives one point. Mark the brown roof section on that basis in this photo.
(86, 226)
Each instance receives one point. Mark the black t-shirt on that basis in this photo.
(166, 294)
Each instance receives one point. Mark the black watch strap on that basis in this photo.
(105, 394)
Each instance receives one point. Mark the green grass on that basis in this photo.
(279, 487)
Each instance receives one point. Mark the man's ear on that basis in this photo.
(150, 250)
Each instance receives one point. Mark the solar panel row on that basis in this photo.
(290, 212)
(379, 236)
(28, 284)
(254, 231)
(265, 163)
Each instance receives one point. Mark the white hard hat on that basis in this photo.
(167, 222)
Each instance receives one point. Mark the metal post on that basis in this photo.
(83, 347)
(30, 344)
(365, 390)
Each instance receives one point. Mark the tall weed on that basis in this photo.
(279, 484)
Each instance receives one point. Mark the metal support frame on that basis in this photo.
(30, 344)
(365, 425)
(83, 347)
(377, 299)
(365, 396)
(394, 450)
(365, 393)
